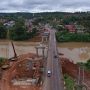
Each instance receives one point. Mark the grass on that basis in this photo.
(2, 61)
(86, 65)
(69, 82)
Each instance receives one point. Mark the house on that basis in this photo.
(9, 24)
(71, 28)
(46, 33)
(3, 20)
(29, 25)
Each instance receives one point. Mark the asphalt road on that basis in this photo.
(55, 82)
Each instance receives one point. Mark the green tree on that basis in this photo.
(34, 31)
(18, 32)
(2, 60)
(87, 64)
(3, 31)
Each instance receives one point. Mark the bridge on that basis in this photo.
(55, 82)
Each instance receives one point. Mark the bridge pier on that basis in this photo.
(44, 39)
(37, 51)
(43, 50)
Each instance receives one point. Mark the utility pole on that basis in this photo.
(8, 36)
(80, 79)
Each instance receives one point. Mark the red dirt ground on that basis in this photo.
(72, 69)
(5, 83)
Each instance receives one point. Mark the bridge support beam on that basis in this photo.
(37, 51)
(43, 50)
(44, 39)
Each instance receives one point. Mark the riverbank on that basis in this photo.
(24, 43)
(73, 44)
(75, 51)
(21, 47)
(35, 39)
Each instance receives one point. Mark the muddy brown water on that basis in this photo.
(6, 49)
(76, 52)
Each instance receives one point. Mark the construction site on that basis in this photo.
(27, 71)
(24, 72)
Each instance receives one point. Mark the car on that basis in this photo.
(49, 73)
(55, 56)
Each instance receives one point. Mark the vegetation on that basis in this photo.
(3, 32)
(69, 37)
(69, 82)
(55, 19)
(32, 33)
(2, 61)
(85, 65)
(20, 32)
(59, 28)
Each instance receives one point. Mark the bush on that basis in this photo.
(69, 37)
(69, 82)
(87, 64)
(3, 32)
(2, 61)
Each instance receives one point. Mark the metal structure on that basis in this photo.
(45, 37)
(15, 55)
(79, 84)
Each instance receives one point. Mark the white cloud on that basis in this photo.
(44, 5)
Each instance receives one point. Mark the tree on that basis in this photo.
(18, 32)
(3, 31)
(34, 31)
(2, 60)
(87, 64)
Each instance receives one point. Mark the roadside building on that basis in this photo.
(9, 24)
(29, 25)
(71, 28)
(3, 20)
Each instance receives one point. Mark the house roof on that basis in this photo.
(71, 28)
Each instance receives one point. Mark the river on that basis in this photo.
(6, 49)
(76, 52)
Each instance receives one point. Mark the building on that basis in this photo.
(9, 24)
(71, 28)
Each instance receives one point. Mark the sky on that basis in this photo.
(44, 5)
